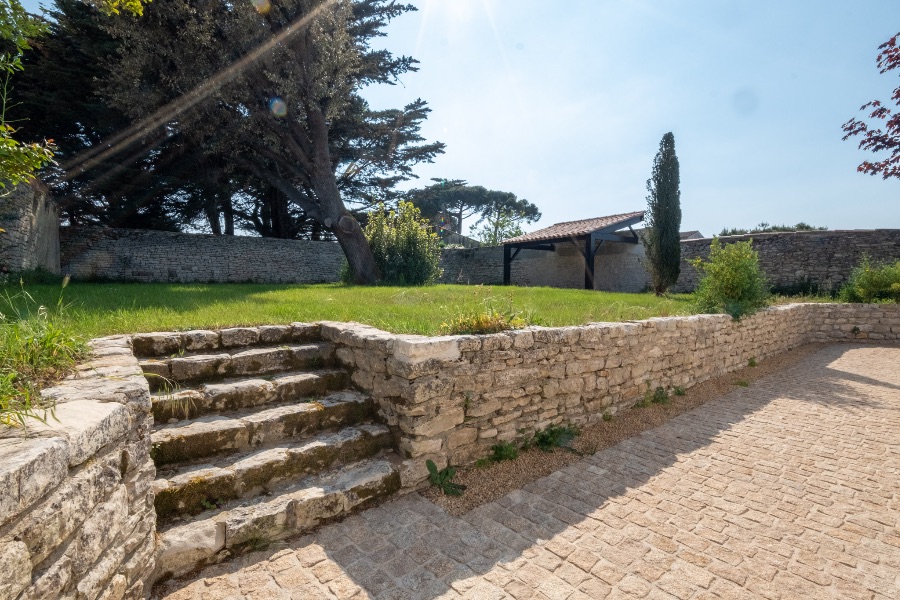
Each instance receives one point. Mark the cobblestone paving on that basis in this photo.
(787, 489)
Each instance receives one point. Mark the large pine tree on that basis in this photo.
(663, 218)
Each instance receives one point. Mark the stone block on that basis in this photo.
(462, 437)
(430, 427)
(239, 336)
(15, 565)
(87, 426)
(275, 334)
(201, 340)
(103, 526)
(97, 578)
(156, 343)
(418, 349)
(29, 468)
(49, 584)
(184, 547)
(412, 448)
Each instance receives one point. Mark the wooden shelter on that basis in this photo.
(587, 235)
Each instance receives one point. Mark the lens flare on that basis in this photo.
(277, 107)
(262, 6)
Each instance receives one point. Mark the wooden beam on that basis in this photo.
(589, 262)
(615, 237)
(507, 259)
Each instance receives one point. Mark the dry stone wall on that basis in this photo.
(142, 255)
(31, 223)
(450, 398)
(76, 507)
(824, 259)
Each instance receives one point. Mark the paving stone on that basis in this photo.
(786, 489)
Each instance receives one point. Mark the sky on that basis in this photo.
(565, 103)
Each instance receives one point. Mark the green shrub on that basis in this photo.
(555, 436)
(731, 280)
(504, 451)
(870, 282)
(406, 251)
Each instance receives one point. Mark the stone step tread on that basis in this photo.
(187, 488)
(166, 343)
(221, 364)
(288, 511)
(237, 393)
(249, 428)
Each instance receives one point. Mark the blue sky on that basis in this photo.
(564, 103)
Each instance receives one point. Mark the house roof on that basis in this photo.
(690, 235)
(574, 229)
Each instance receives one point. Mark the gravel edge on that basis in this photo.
(486, 484)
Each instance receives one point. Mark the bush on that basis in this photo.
(406, 251)
(731, 280)
(873, 283)
(490, 320)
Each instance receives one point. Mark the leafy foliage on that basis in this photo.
(875, 139)
(873, 283)
(443, 479)
(447, 203)
(766, 228)
(504, 451)
(731, 280)
(34, 350)
(273, 92)
(555, 436)
(406, 251)
(663, 218)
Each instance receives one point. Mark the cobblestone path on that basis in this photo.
(789, 488)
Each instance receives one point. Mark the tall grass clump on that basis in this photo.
(731, 281)
(406, 251)
(879, 282)
(35, 349)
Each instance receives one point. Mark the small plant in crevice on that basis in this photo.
(504, 451)
(678, 390)
(555, 436)
(483, 463)
(742, 383)
(607, 417)
(659, 396)
(210, 504)
(752, 362)
(443, 479)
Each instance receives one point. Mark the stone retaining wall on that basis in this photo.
(31, 223)
(801, 259)
(76, 507)
(451, 398)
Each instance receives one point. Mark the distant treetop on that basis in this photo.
(766, 228)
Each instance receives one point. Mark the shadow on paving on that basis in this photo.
(410, 548)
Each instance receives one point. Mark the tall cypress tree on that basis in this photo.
(663, 218)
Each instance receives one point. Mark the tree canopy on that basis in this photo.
(448, 202)
(663, 217)
(874, 138)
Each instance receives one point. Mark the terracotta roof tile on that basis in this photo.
(570, 229)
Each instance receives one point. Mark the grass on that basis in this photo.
(97, 309)
(35, 349)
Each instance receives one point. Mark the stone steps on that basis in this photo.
(236, 394)
(251, 428)
(291, 510)
(163, 373)
(189, 489)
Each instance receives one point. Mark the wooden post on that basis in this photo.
(507, 267)
(589, 262)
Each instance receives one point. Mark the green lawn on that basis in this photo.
(96, 309)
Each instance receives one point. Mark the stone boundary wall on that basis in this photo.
(76, 506)
(31, 221)
(163, 256)
(449, 399)
(790, 259)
